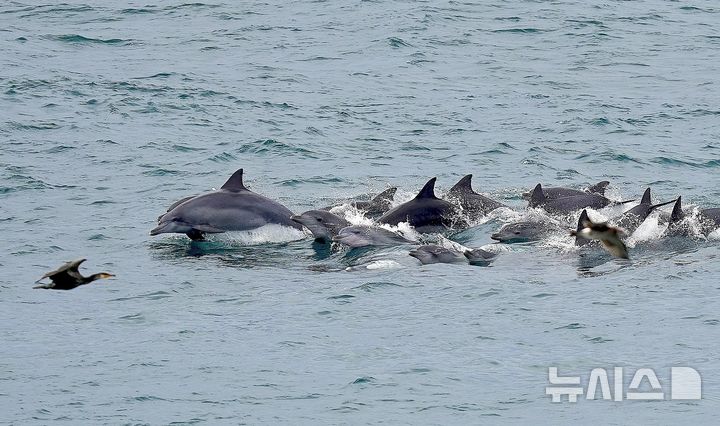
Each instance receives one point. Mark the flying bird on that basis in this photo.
(609, 236)
(67, 277)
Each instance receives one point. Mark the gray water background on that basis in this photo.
(111, 111)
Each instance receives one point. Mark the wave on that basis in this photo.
(79, 39)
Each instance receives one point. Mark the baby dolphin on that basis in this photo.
(323, 224)
(375, 207)
(473, 204)
(607, 235)
(231, 208)
(68, 277)
(432, 253)
(378, 205)
(364, 236)
(553, 193)
(633, 218)
(425, 212)
(568, 204)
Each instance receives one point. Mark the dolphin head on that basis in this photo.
(479, 257)
(323, 224)
(171, 223)
(519, 232)
(435, 254)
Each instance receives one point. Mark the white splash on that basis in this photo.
(376, 265)
(714, 235)
(265, 234)
(650, 229)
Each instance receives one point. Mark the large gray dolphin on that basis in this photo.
(231, 208)
(364, 236)
(553, 193)
(323, 224)
(569, 204)
(473, 204)
(425, 212)
(633, 218)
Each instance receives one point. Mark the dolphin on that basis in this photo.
(561, 192)
(425, 212)
(677, 225)
(231, 208)
(472, 203)
(525, 231)
(633, 218)
(376, 206)
(711, 219)
(431, 253)
(363, 236)
(323, 224)
(569, 204)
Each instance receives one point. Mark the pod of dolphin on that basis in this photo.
(235, 208)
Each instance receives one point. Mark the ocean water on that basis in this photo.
(113, 110)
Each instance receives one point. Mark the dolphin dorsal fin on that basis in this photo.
(235, 183)
(428, 191)
(386, 195)
(677, 213)
(646, 197)
(464, 185)
(538, 196)
(599, 188)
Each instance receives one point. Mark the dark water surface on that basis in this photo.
(112, 111)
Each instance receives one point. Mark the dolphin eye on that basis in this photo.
(319, 219)
(517, 232)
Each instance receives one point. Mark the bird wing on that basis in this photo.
(75, 264)
(46, 286)
(69, 268)
(616, 247)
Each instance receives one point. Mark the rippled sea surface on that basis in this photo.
(111, 111)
